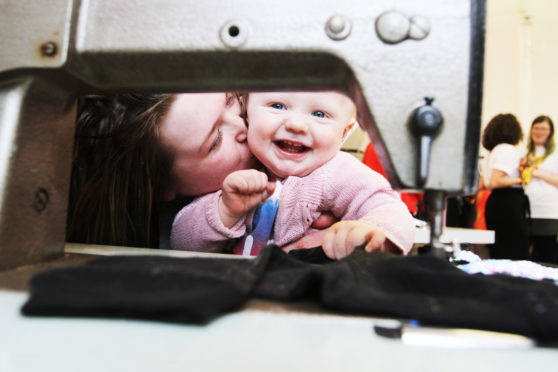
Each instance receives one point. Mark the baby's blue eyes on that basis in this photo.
(278, 106)
(319, 114)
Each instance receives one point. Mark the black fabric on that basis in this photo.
(425, 288)
(507, 213)
(544, 226)
(545, 249)
(544, 233)
(461, 211)
(193, 290)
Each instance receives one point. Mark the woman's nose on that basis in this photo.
(296, 124)
(241, 134)
(232, 119)
(239, 128)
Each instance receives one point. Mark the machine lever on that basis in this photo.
(426, 123)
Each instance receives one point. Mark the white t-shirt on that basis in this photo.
(503, 157)
(543, 196)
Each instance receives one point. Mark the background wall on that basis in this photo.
(521, 55)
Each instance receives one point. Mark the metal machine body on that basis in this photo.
(387, 55)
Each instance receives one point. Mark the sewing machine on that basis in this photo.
(414, 68)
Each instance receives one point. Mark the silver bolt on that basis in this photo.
(49, 49)
(392, 27)
(234, 33)
(419, 28)
(338, 27)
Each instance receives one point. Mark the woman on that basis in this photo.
(134, 152)
(541, 161)
(507, 206)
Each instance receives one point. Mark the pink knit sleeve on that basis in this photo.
(355, 192)
(198, 227)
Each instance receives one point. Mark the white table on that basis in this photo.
(248, 340)
(264, 336)
(459, 238)
(456, 235)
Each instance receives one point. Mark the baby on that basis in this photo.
(297, 136)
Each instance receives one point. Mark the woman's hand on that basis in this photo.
(500, 179)
(325, 220)
(545, 176)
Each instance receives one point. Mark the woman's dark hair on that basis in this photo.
(503, 128)
(120, 170)
(549, 146)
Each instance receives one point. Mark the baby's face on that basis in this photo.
(294, 133)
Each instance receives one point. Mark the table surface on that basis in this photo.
(456, 235)
(263, 336)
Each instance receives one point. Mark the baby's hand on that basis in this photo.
(343, 237)
(241, 191)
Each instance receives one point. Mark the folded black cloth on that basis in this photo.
(185, 290)
(195, 290)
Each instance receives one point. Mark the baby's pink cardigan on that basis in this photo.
(344, 186)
